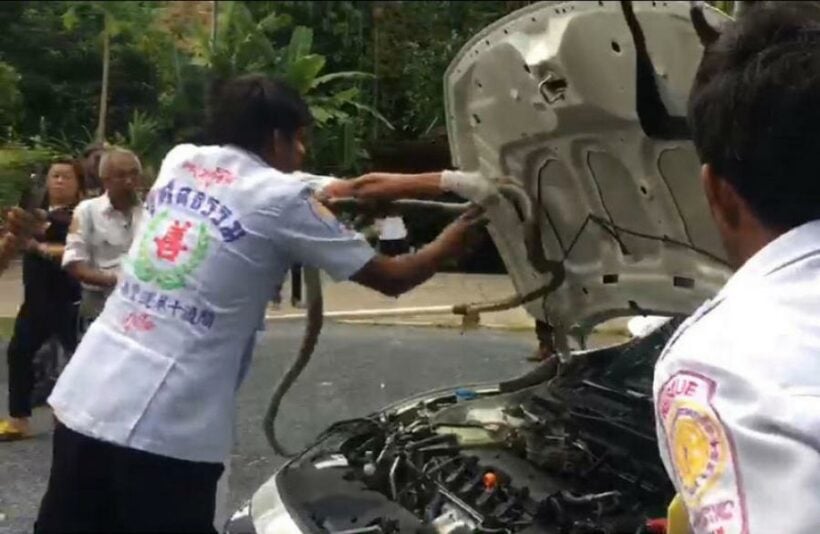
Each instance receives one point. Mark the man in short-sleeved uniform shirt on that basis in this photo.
(737, 389)
(145, 408)
(738, 397)
(219, 222)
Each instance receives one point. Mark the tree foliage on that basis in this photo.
(349, 59)
(271, 43)
(10, 97)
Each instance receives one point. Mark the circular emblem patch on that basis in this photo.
(699, 448)
(167, 255)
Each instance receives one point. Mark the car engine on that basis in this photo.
(573, 454)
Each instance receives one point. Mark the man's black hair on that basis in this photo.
(245, 111)
(754, 111)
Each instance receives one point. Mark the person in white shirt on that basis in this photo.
(145, 407)
(392, 236)
(49, 308)
(737, 389)
(102, 231)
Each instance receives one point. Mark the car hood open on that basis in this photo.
(583, 104)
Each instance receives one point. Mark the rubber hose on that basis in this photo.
(545, 371)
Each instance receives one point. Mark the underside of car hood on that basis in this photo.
(583, 104)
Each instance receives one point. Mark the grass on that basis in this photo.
(6, 328)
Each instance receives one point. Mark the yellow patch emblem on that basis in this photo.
(700, 451)
(698, 448)
(321, 209)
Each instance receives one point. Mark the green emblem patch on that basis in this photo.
(169, 247)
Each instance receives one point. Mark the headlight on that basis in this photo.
(264, 514)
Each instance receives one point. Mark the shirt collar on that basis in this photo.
(788, 248)
(105, 202)
(108, 208)
(248, 154)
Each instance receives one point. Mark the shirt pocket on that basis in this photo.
(107, 254)
(109, 384)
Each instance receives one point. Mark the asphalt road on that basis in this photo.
(355, 370)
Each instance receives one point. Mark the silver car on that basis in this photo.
(581, 107)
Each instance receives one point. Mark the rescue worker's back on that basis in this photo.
(737, 390)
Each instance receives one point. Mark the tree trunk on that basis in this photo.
(104, 92)
(376, 14)
(214, 18)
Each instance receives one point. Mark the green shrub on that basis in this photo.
(17, 163)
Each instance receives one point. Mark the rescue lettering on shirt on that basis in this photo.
(679, 386)
(138, 322)
(701, 454)
(167, 306)
(208, 177)
(166, 254)
(200, 204)
(709, 518)
(172, 243)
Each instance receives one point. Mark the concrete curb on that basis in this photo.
(453, 325)
(449, 321)
(452, 321)
(438, 324)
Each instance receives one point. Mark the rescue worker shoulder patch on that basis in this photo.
(702, 455)
(327, 217)
(321, 210)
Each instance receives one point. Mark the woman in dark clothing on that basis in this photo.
(50, 296)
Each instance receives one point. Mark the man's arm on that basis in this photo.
(394, 276)
(384, 187)
(311, 235)
(387, 186)
(76, 256)
(8, 248)
(49, 251)
(21, 224)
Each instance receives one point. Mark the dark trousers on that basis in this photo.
(99, 487)
(32, 329)
(296, 284)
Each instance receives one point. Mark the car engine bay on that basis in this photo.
(575, 453)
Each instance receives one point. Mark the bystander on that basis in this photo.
(392, 236)
(50, 295)
(102, 231)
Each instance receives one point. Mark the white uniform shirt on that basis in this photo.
(737, 397)
(158, 370)
(391, 229)
(314, 181)
(100, 235)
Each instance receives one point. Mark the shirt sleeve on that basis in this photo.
(312, 235)
(314, 181)
(78, 238)
(740, 453)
